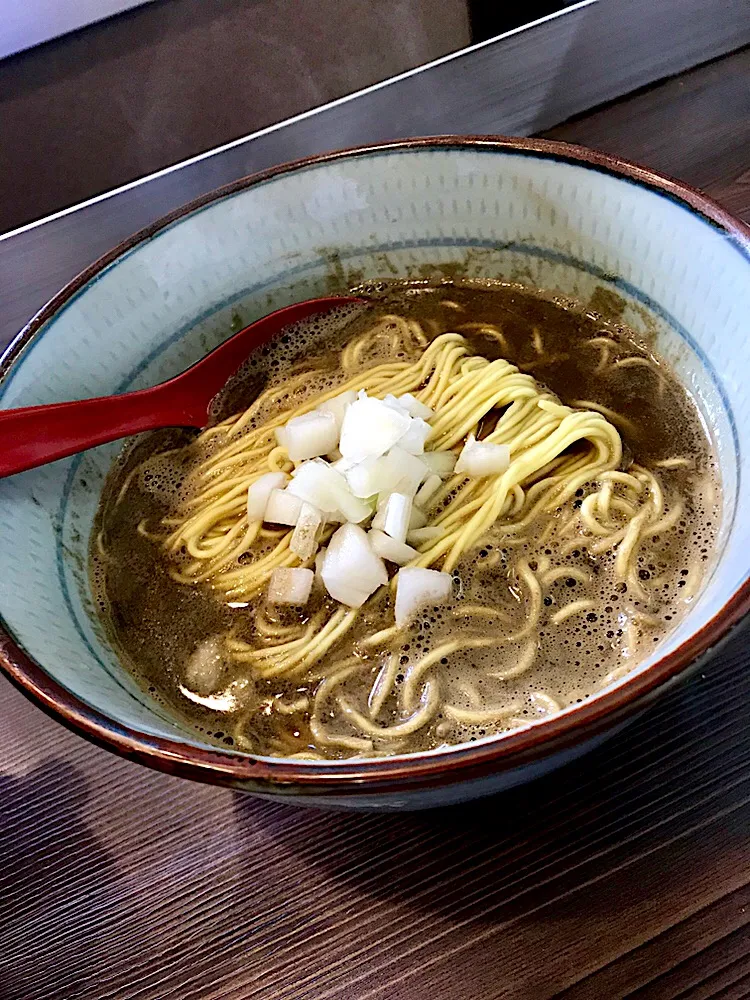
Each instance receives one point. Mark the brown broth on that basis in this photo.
(155, 624)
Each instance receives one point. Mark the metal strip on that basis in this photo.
(294, 120)
(518, 83)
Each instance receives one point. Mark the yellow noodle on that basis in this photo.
(420, 718)
(555, 450)
(616, 418)
(565, 573)
(283, 708)
(419, 670)
(383, 685)
(574, 608)
(675, 463)
(478, 611)
(525, 662)
(479, 717)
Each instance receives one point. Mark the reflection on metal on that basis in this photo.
(24, 23)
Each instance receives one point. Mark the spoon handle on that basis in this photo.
(34, 435)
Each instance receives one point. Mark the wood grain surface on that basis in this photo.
(626, 874)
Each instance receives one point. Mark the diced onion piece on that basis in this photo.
(390, 400)
(309, 435)
(483, 458)
(365, 478)
(428, 534)
(387, 474)
(259, 492)
(390, 549)
(370, 428)
(393, 516)
(319, 560)
(414, 408)
(415, 437)
(418, 518)
(342, 464)
(304, 539)
(204, 667)
(283, 507)
(351, 569)
(290, 585)
(417, 588)
(337, 406)
(325, 488)
(409, 470)
(428, 489)
(442, 463)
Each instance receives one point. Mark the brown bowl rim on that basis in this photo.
(463, 762)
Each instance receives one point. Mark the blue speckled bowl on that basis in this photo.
(550, 215)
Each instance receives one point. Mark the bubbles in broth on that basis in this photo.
(566, 569)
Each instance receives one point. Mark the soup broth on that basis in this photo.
(540, 615)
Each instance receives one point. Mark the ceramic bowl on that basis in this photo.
(554, 216)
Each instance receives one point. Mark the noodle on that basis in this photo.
(462, 389)
(348, 680)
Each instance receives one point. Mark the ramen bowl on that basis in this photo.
(667, 260)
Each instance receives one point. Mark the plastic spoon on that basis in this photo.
(35, 435)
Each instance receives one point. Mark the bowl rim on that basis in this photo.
(457, 763)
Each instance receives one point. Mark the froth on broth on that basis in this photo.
(576, 579)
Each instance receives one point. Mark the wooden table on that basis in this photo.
(624, 874)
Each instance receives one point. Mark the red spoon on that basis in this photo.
(35, 435)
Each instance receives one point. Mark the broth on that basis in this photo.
(588, 627)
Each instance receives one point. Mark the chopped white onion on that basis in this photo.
(415, 437)
(290, 585)
(319, 560)
(417, 588)
(370, 428)
(325, 488)
(309, 435)
(414, 408)
(394, 512)
(304, 539)
(418, 518)
(390, 549)
(483, 458)
(442, 463)
(342, 464)
(337, 406)
(390, 400)
(259, 492)
(409, 470)
(366, 478)
(428, 534)
(283, 507)
(388, 471)
(428, 489)
(351, 569)
(205, 666)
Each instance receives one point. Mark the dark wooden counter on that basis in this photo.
(624, 874)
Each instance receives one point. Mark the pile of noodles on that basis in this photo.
(555, 450)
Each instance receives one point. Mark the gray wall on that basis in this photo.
(122, 98)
